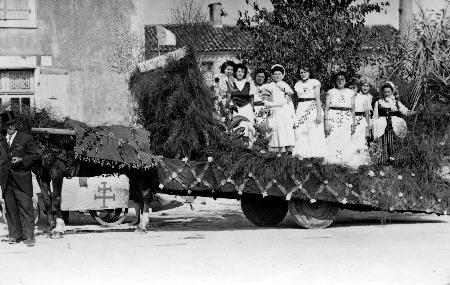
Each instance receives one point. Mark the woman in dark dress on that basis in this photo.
(388, 121)
(242, 93)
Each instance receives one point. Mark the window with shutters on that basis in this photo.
(17, 13)
(17, 88)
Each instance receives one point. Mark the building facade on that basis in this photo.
(69, 55)
(213, 42)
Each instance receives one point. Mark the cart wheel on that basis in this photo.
(263, 212)
(109, 217)
(318, 215)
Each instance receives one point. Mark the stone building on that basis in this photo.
(213, 41)
(69, 55)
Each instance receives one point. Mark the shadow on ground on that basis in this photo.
(230, 218)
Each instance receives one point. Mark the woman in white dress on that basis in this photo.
(339, 121)
(279, 119)
(308, 122)
(260, 79)
(360, 150)
(242, 93)
(365, 85)
(388, 121)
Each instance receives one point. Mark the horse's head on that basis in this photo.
(63, 163)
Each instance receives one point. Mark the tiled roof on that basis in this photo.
(207, 38)
(378, 36)
(203, 37)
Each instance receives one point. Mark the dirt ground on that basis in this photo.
(215, 244)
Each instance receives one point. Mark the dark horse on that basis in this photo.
(55, 166)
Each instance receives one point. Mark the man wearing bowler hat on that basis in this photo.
(16, 181)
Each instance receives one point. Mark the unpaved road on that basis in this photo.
(215, 245)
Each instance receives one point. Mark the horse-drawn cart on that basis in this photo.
(268, 184)
(313, 195)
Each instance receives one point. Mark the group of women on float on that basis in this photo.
(337, 132)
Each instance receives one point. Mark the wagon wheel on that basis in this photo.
(36, 209)
(263, 212)
(318, 215)
(109, 217)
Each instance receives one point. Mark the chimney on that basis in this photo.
(405, 11)
(215, 14)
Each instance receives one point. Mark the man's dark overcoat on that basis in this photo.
(22, 146)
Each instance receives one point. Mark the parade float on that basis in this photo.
(192, 153)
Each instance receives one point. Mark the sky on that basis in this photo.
(158, 11)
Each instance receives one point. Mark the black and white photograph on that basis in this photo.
(225, 142)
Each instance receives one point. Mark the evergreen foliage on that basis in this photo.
(176, 107)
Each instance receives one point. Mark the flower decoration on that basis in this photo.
(400, 177)
(161, 186)
(371, 173)
(210, 159)
(312, 201)
(381, 173)
(400, 194)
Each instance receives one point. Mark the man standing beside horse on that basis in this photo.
(15, 180)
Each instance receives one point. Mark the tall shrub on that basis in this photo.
(326, 34)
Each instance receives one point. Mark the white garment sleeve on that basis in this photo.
(315, 83)
(287, 89)
(297, 87)
(403, 109)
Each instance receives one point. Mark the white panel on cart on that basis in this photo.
(101, 193)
